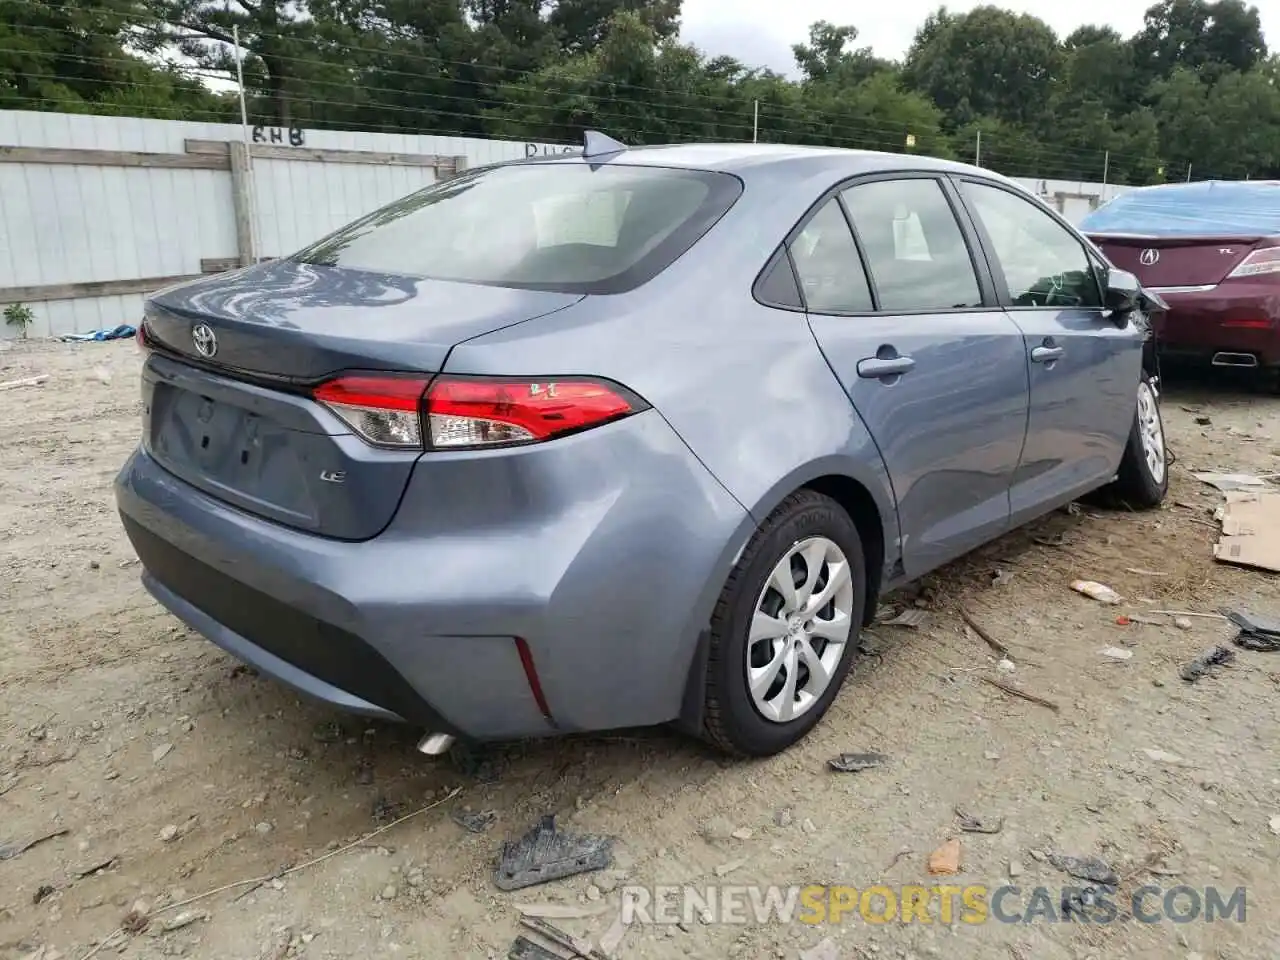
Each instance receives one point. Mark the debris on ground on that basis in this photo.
(576, 946)
(972, 824)
(1259, 634)
(545, 853)
(1162, 756)
(1006, 666)
(137, 919)
(1095, 591)
(1023, 694)
(1077, 903)
(1182, 623)
(560, 911)
(94, 868)
(1000, 577)
(184, 919)
(1231, 482)
(984, 634)
(1274, 824)
(946, 859)
(724, 869)
(912, 617)
(1116, 653)
(1085, 868)
(10, 851)
(1200, 666)
(474, 822)
(43, 892)
(856, 762)
(525, 949)
(25, 382)
(1250, 531)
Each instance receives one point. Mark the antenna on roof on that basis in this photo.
(596, 144)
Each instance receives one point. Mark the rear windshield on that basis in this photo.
(1197, 209)
(562, 226)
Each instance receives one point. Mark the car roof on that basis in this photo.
(746, 159)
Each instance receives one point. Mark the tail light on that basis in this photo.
(454, 413)
(384, 411)
(1257, 264)
(140, 337)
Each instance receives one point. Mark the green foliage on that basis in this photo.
(1194, 88)
(19, 315)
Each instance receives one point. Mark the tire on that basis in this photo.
(806, 526)
(1138, 483)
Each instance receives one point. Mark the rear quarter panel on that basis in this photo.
(745, 386)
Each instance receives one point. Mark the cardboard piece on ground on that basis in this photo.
(1250, 531)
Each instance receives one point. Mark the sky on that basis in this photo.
(760, 32)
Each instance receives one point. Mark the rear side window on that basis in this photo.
(915, 249)
(828, 266)
(1044, 264)
(561, 226)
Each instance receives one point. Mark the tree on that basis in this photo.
(73, 59)
(1198, 35)
(826, 58)
(277, 38)
(988, 62)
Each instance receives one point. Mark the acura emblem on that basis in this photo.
(206, 342)
(1149, 257)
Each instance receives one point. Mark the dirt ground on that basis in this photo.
(173, 771)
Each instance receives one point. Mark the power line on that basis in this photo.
(900, 130)
(882, 134)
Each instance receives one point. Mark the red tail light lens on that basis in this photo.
(140, 337)
(488, 412)
(1258, 263)
(471, 412)
(384, 411)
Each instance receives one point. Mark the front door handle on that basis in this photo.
(881, 368)
(1046, 354)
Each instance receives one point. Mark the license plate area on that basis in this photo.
(231, 451)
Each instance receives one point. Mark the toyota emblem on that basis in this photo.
(204, 339)
(1149, 257)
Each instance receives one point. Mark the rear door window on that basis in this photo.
(914, 246)
(1044, 264)
(562, 226)
(828, 266)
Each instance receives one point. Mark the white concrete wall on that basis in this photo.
(77, 224)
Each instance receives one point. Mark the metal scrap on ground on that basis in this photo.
(1201, 665)
(856, 762)
(545, 853)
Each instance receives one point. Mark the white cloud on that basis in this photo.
(760, 32)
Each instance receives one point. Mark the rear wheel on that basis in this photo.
(1143, 477)
(785, 628)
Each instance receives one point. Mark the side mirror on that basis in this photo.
(1124, 292)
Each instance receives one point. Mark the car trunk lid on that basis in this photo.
(237, 420)
(1183, 261)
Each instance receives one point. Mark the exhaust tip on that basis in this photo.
(435, 744)
(1224, 359)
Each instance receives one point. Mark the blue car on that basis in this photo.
(629, 437)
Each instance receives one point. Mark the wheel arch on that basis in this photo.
(866, 495)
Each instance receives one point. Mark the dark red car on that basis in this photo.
(1211, 250)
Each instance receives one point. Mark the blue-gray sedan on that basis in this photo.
(626, 438)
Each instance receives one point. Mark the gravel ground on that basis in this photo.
(173, 771)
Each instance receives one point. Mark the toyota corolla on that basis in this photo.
(626, 438)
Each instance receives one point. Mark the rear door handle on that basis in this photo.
(877, 368)
(1046, 354)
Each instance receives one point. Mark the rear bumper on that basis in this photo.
(1242, 318)
(604, 551)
